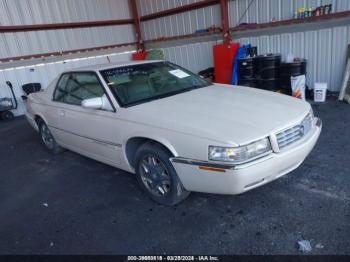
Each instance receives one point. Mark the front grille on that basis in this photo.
(295, 133)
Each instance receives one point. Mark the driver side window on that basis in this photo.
(73, 88)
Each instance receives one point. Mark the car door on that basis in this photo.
(91, 132)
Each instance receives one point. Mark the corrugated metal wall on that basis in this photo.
(263, 11)
(195, 57)
(260, 11)
(325, 48)
(174, 25)
(46, 72)
(18, 12)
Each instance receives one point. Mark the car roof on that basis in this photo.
(98, 67)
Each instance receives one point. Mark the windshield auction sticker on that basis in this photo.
(179, 73)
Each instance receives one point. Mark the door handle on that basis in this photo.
(62, 113)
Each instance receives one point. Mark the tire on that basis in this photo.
(7, 115)
(48, 139)
(157, 176)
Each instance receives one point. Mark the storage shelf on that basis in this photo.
(315, 22)
(290, 22)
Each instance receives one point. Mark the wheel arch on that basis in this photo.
(38, 118)
(133, 143)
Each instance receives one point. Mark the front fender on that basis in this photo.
(160, 140)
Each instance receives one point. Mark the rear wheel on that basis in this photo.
(48, 140)
(7, 115)
(157, 176)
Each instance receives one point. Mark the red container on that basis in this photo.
(224, 56)
(139, 55)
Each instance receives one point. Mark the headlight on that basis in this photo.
(307, 122)
(240, 154)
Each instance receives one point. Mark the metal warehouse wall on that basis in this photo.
(20, 12)
(260, 11)
(196, 57)
(324, 49)
(324, 46)
(174, 25)
(263, 11)
(46, 72)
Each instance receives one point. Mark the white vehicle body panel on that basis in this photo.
(186, 123)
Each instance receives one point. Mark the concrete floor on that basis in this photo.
(96, 209)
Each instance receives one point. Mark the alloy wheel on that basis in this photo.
(154, 175)
(47, 137)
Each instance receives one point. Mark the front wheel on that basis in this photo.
(157, 176)
(48, 140)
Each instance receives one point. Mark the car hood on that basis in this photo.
(225, 113)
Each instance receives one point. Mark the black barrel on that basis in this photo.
(246, 72)
(267, 68)
(295, 68)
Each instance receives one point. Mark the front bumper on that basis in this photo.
(209, 177)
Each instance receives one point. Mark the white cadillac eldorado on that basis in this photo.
(174, 130)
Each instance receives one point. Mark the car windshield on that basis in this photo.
(141, 83)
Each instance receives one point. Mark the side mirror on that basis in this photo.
(97, 103)
(92, 103)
